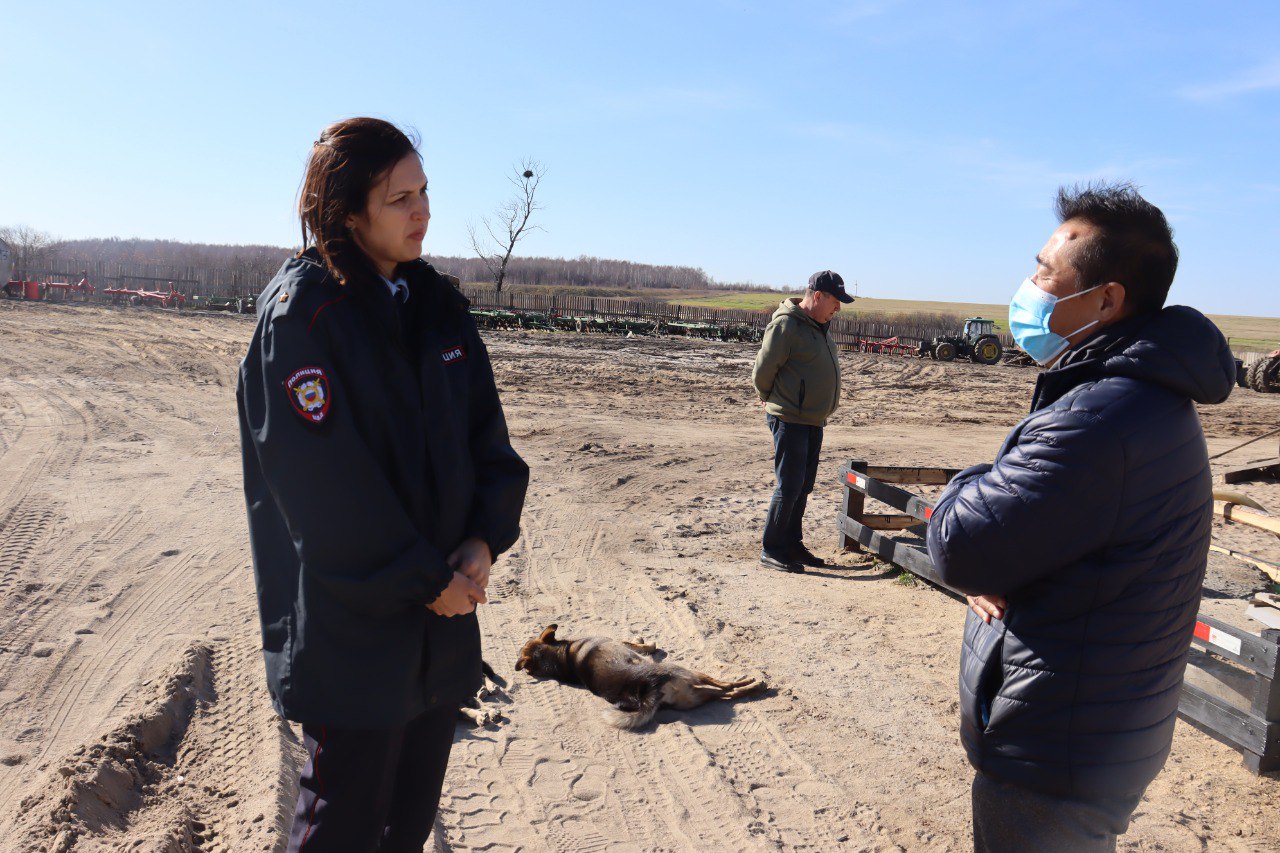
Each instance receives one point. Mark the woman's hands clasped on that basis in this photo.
(471, 562)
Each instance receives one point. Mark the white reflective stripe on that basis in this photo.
(1224, 641)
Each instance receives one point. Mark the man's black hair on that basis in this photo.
(1133, 245)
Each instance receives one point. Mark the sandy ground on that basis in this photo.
(133, 713)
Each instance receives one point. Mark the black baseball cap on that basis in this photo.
(830, 282)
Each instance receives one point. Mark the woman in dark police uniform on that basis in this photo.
(380, 484)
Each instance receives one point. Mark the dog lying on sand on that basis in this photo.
(623, 674)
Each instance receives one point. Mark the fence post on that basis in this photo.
(851, 507)
(1266, 697)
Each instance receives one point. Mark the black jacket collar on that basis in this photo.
(1176, 347)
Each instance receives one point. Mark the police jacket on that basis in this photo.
(797, 371)
(1094, 523)
(373, 444)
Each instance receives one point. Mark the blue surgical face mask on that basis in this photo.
(1029, 313)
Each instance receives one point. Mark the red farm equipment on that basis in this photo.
(888, 345)
(51, 290)
(149, 298)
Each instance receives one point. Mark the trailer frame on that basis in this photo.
(1232, 688)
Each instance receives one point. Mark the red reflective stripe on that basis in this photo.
(315, 765)
(852, 479)
(1202, 631)
(321, 308)
(928, 513)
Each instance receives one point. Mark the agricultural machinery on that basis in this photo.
(978, 343)
(230, 304)
(1263, 375)
(713, 331)
(893, 346)
(517, 318)
(50, 290)
(150, 298)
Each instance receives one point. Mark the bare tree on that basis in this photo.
(510, 223)
(29, 246)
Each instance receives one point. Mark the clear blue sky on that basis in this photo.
(914, 147)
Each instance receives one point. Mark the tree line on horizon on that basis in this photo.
(37, 253)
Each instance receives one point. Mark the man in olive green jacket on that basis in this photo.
(797, 376)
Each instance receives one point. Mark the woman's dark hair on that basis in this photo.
(1133, 244)
(346, 161)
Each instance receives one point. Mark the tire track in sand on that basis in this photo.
(50, 442)
(240, 758)
(546, 780)
(721, 777)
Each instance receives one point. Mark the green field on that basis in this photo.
(1242, 332)
(747, 300)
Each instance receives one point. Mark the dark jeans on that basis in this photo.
(1008, 817)
(372, 789)
(796, 448)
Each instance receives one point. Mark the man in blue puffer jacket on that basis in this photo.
(1083, 548)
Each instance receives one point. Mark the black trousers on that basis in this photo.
(372, 789)
(1008, 818)
(796, 448)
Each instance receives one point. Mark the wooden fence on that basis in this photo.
(846, 328)
(190, 281)
(205, 281)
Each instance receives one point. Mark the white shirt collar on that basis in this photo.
(396, 286)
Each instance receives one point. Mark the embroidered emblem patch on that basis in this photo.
(308, 391)
(452, 354)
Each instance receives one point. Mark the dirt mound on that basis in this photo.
(101, 788)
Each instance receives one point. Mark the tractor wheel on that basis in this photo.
(1254, 379)
(986, 351)
(945, 351)
(1269, 381)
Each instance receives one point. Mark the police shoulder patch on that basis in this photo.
(308, 390)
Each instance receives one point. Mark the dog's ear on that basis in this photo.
(520, 663)
(548, 634)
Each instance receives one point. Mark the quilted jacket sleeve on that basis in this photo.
(1050, 500)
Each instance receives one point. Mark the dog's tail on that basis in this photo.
(637, 708)
(491, 675)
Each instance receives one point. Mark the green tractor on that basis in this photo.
(978, 343)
